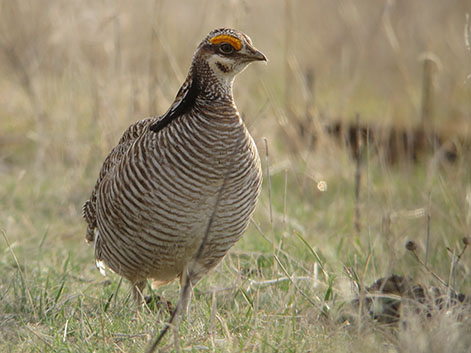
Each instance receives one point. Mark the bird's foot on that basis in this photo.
(157, 303)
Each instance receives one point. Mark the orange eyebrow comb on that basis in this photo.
(235, 42)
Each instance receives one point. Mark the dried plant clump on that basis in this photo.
(411, 245)
(386, 298)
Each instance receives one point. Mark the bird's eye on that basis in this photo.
(226, 48)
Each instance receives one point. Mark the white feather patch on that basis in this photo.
(101, 266)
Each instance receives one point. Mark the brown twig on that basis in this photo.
(412, 247)
(358, 148)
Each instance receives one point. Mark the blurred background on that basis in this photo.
(75, 69)
(360, 105)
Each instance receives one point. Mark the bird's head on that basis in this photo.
(227, 52)
(218, 59)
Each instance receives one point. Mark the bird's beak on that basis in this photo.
(259, 56)
(255, 55)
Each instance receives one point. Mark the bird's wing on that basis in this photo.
(183, 102)
(115, 156)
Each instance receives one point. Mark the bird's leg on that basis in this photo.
(137, 289)
(186, 301)
(186, 294)
(183, 307)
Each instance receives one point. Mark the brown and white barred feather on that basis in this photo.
(115, 156)
(157, 188)
(129, 136)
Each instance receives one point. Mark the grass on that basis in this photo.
(53, 298)
(79, 77)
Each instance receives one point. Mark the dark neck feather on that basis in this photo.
(184, 101)
(200, 86)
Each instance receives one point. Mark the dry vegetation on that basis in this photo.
(74, 75)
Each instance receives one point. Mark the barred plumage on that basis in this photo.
(157, 188)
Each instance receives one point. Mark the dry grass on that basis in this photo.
(74, 75)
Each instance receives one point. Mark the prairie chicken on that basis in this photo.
(157, 189)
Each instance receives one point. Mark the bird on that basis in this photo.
(169, 176)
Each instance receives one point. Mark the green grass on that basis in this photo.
(54, 299)
(288, 284)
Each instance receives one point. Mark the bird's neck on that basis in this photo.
(210, 87)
